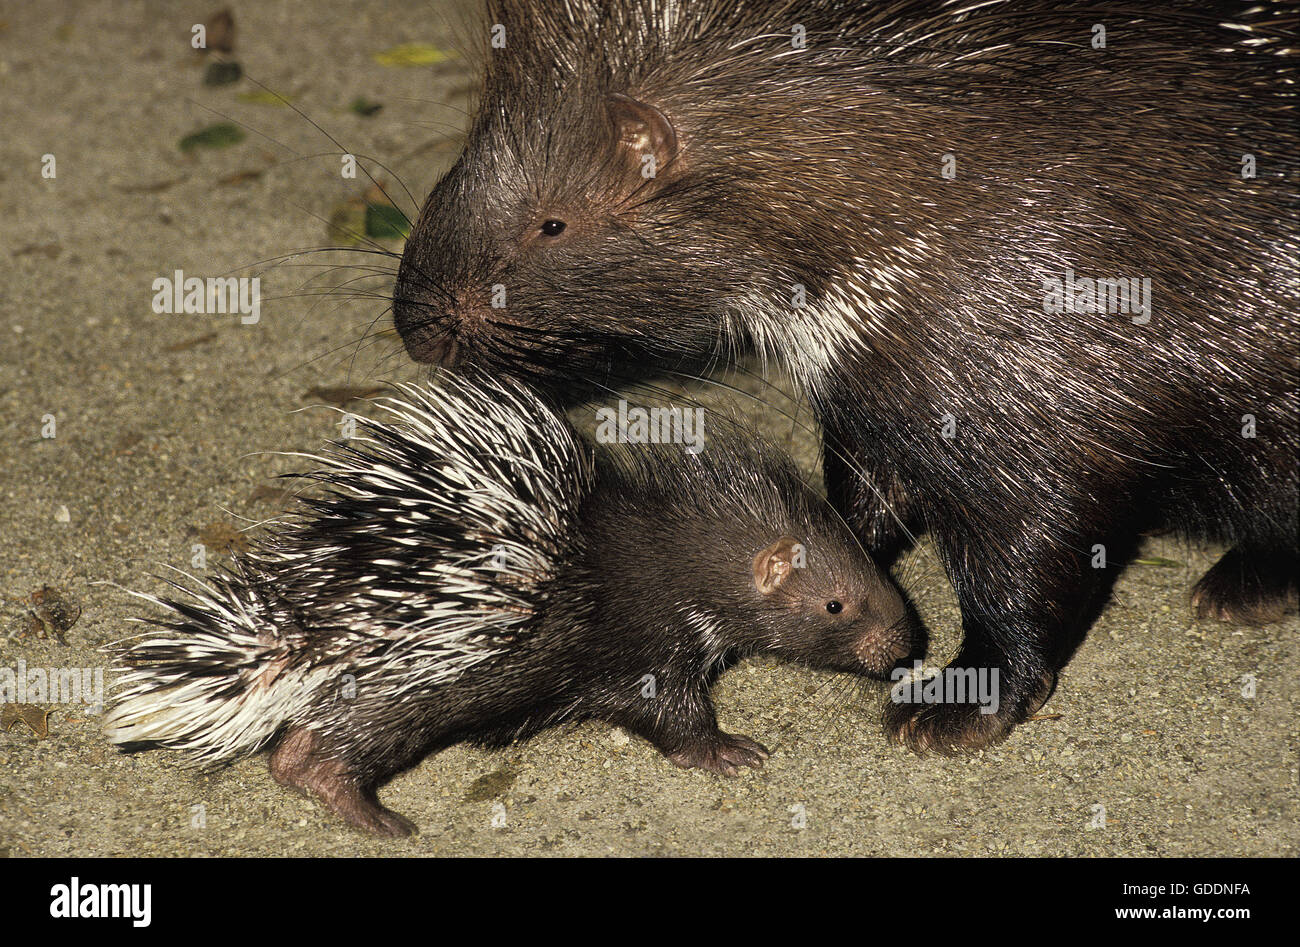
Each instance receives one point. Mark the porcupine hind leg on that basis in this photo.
(295, 764)
(683, 725)
(1253, 584)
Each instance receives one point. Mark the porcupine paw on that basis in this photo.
(1247, 590)
(722, 753)
(951, 728)
(361, 809)
(293, 765)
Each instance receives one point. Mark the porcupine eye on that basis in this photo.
(552, 228)
(834, 607)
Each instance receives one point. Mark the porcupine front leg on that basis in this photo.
(1023, 600)
(682, 724)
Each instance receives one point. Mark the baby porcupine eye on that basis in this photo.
(552, 228)
(834, 606)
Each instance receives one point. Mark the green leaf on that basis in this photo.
(221, 135)
(222, 72)
(386, 222)
(411, 54)
(363, 106)
(263, 97)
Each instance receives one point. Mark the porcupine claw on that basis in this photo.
(722, 753)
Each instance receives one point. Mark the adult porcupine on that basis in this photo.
(475, 572)
(897, 201)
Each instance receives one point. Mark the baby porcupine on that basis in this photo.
(476, 572)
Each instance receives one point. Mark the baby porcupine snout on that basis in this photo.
(884, 631)
(884, 643)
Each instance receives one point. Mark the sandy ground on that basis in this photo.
(158, 421)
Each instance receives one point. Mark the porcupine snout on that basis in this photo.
(441, 328)
(887, 631)
(882, 647)
(426, 331)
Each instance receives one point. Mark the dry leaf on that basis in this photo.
(240, 177)
(35, 717)
(127, 441)
(190, 343)
(56, 612)
(375, 194)
(347, 223)
(220, 28)
(222, 537)
(492, 786)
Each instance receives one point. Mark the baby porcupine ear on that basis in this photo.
(642, 130)
(774, 565)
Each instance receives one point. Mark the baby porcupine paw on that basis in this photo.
(359, 808)
(378, 820)
(721, 753)
(356, 806)
(294, 764)
(1246, 590)
(952, 728)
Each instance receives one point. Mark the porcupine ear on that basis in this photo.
(774, 565)
(642, 130)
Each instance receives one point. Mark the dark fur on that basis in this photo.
(1071, 430)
